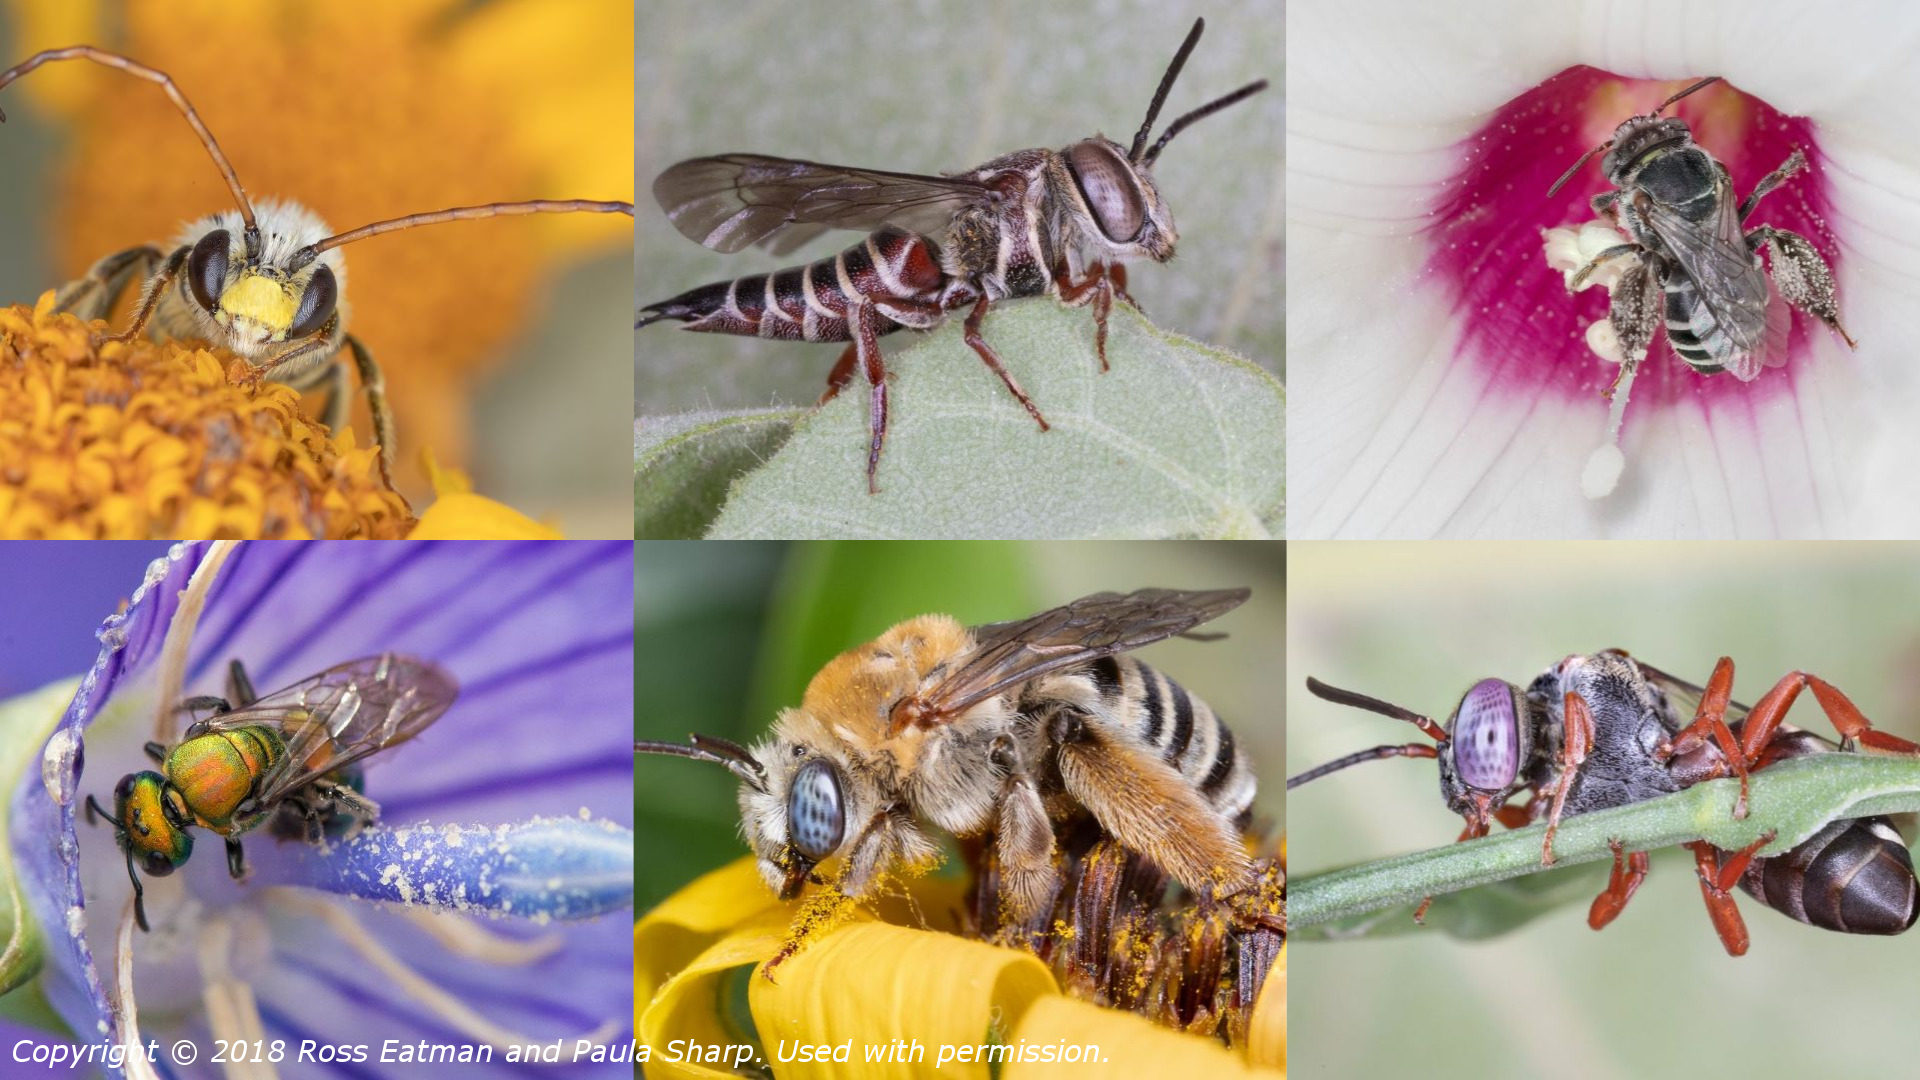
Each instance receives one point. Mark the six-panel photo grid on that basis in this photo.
(1033, 409)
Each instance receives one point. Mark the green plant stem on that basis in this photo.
(1793, 799)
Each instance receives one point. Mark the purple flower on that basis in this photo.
(1442, 381)
(514, 804)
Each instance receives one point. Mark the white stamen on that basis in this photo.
(173, 656)
(437, 1001)
(464, 937)
(1568, 249)
(232, 1013)
(126, 1014)
(1607, 462)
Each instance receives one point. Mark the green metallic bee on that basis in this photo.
(289, 760)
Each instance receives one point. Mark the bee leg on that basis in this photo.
(1709, 722)
(866, 343)
(95, 811)
(236, 859)
(1804, 278)
(992, 359)
(1573, 751)
(1847, 718)
(1635, 311)
(841, 374)
(374, 385)
(1794, 163)
(1608, 255)
(1476, 828)
(1023, 841)
(150, 294)
(95, 293)
(1096, 288)
(156, 751)
(239, 685)
(1602, 203)
(1716, 883)
(1621, 885)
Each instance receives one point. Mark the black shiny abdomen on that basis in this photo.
(1854, 876)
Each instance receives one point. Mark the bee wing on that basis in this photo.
(344, 714)
(1103, 624)
(1725, 276)
(734, 200)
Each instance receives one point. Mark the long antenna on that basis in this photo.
(737, 759)
(463, 213)
(1657, 110)
(1166, 84)
(132, 67)
(1202, 113)
(1375, 705)
(1415, 750)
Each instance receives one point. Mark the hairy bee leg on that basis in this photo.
(841, 374)
(150, 294)
(1635, 311)
(374, 384)
(1573, 751)
(1117, 274)
(1606, 256)
(1804, 278)
(1794, 163)
(1096, 288)
(1621, 885)
(992, 359)
(1024, 843)
(338, 394)
(95, 293)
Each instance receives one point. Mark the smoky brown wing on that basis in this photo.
(343, 715)
(1684, 695)
(735, 200)
(1007, 654)
(1725, 277)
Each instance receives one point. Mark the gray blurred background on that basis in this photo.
(934, 87)
(726, 634)
(1655, 993)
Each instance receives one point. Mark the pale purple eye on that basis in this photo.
(1486, 736)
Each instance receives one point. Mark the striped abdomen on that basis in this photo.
(815, 302)
(1854, 876)
(1178, 727)
(1700, 337)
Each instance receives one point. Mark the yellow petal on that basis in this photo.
(1128, 1046)
(671, 935)
(1267, 1035)
(870, 984)
(465, 516)
(693, 1005)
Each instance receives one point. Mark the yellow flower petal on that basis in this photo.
(475, 517)
(1130, 1046)
(693, 1005)
(1267, 1035)
(873, 983)
(671, 935)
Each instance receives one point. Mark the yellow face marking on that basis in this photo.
(266, 302)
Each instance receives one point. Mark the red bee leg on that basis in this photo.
(866, 344)
(1621, 885)
(841, 374)
(992, 359)
(1117, 273)
(1096, 288)
(1573, 751)
(1709, 721)
(1716, 883)
(1851, 723)
(1513, 817)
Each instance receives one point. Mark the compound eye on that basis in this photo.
(1486, 736)
(1112, 191)
(156, 864)
(816, 816)
(207, 268)
(316, 304)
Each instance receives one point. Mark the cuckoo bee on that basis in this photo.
(1011, 732)
(1691, 264)
(1029, 223)
(289, 760)
(1596, 732)
(266, 281)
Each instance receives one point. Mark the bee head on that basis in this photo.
(1489, 745)
(152, 823)
(262, 285)
(1638, 138)
(1120, 199)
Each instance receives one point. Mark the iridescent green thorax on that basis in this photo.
(216, 773)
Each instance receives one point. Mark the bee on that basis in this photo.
(1688, 242)
(289, 760)
(1008, 731)
(1029, 223)
(1607, 730)
(269, 286)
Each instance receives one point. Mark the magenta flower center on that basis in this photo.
(1518, 319)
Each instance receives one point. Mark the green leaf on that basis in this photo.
(25, 723)
(1177, 440)
(682, 465)
(1793, 799)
